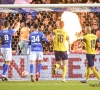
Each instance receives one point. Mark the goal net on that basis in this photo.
(76, 16)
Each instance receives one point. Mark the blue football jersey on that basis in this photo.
(6, 38)
(35, 41)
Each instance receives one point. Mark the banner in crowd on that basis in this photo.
(69, 9)
(76, 67)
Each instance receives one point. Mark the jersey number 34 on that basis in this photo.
(35, 39)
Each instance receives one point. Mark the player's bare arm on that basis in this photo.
(16, 26)
(69, 45)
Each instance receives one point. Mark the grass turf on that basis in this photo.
(47, 85)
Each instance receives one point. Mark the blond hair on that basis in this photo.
(88, 30)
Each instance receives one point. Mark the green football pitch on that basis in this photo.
(48, 85)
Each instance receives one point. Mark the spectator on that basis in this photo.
(39, 16)
(29, 20)
(1, 27)
(23, 24)
(31, 28)
(98, 43)
(36, 21)
(42, 28)
(23, 45)
(48, 1)
(46, 21)
(69, 1)
(1, 22)
(22, 1)
(97, 1)
(43, 1)
(54, 1)
(50, 28)
(2, 17)
(89, 1)
(21, 18)
(58, 20)
(7, 1)
(77, 1)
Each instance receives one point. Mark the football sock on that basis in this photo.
(39, 67)
(3, 66)
(95, 72)
(5, 69)
(88, 73)
(31, 68)
(57, 66)
(64, 71)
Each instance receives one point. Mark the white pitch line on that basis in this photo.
(53, 84)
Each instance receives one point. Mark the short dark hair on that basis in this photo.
(6, 24)
(35, 26)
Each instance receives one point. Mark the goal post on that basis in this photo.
(76, 63)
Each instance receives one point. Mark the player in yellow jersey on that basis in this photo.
(60, 49)
(90, 41)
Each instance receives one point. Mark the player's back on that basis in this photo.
(6, 37)
(36, 40)
(60, 37)
(90, 43)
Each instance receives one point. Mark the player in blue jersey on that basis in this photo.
(36, 50)
(6, 50)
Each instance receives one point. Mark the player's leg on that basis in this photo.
(56, 66)
(3, 61)
(64, 60)
(88, 65)
(32, 60)
(5, 69)
(40, 59)
(7, 54)
(88, 73)
(3, 57)
(58, 62)
(95, 72)
(90, 59)
(64, 70)
(87, 70)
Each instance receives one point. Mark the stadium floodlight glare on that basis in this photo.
(47, 5)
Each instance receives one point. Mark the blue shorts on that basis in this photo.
(61, 55)
(90, 58)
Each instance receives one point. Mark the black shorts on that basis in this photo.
(90, 58)
(61, 55)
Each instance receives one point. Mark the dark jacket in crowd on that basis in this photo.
(7, 1)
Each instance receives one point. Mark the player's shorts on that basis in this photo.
(90, 58)
(61, 55)
(6, 54)
(36, 55)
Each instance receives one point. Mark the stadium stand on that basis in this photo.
(47, 21)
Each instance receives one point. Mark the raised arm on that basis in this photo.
(16, 25)
(44, 38)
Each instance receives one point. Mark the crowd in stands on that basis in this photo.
(47, 1)
(48, 21)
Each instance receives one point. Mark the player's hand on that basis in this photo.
(18, 23)
(0, 40)
(49, 37)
